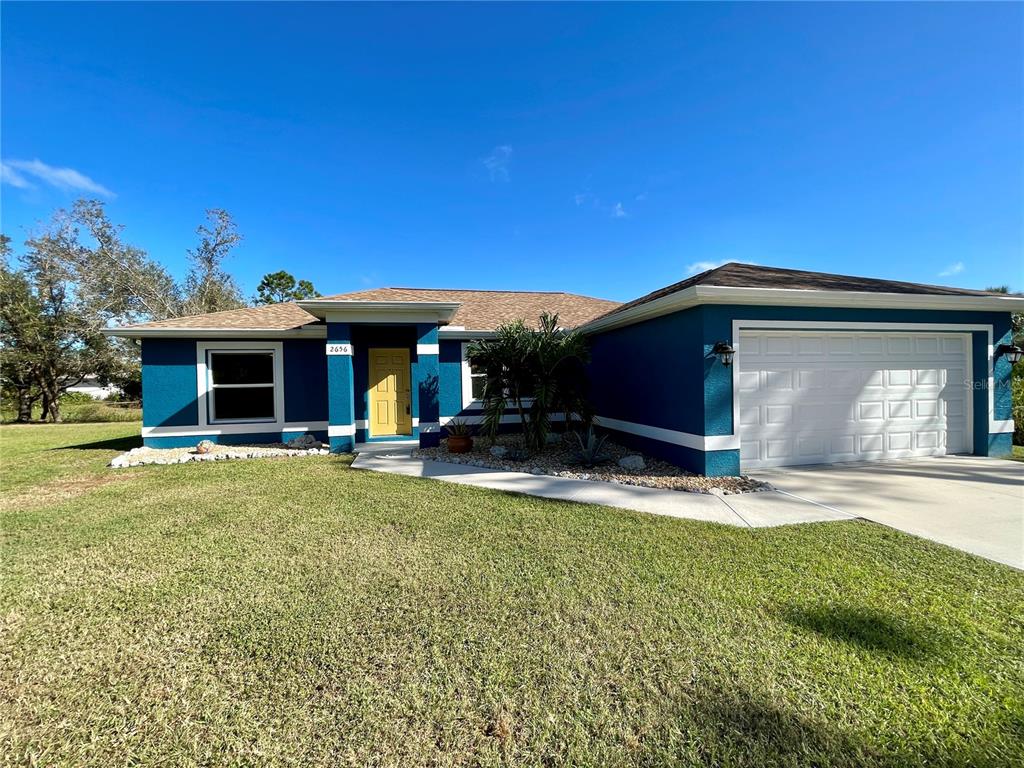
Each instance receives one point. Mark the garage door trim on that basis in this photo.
(876, 327)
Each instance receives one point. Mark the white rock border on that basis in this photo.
(142, 455)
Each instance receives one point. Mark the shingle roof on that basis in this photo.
(734, 275)
(276, 317)
(479, 310)
(486, 310)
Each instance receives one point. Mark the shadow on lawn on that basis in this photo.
(869, 629)
(766, 733)
(114, 444)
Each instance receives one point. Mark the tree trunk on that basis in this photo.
(24, 405)
(44, 413)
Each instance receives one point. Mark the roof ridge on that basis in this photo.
(475, 290)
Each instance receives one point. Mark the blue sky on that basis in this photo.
(603, 149)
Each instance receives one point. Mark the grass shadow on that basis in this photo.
(752, 731)
(866, 628)
(113, 444)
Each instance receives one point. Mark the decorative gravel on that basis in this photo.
(559, 460)
(136, 457)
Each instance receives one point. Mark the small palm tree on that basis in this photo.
(546, 364)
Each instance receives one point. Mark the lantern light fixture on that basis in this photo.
(724, 351)
(1011, 352)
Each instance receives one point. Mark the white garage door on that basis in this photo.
(820, 397)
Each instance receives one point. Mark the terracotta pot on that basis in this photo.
(460, 444)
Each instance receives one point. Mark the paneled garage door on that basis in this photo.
(820, 397)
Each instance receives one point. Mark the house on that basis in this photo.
(737, 368)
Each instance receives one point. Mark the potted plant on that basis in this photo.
(460, 436)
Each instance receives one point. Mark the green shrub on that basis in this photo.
(1018, 409)
(76, 398)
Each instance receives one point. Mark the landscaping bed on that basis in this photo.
(559, 460)
(137, 457)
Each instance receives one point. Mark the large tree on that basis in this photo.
(276, 287)
(76, 277)
(208, 287)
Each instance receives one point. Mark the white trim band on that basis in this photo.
(685, 439)
(1000, 427)
(507, 419)
(428, 349)
(341, 430)
(429, 426)
(233, 429)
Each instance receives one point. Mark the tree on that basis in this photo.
(276, 287)
(545, 366)
(208, 288)
(19, 319)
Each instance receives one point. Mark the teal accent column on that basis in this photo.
(718, 394)
(426, 384)
(341, 429)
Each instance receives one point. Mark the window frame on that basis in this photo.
(468, 401)
(204, 380)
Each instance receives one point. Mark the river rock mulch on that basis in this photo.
(559, 460)
(136, 457)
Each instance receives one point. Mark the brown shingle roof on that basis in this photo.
(276, 317)
(733, 275)
(479, 310)
(486, 310)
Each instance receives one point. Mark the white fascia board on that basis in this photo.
(664, 305)
(309, 332)
(715, 294)
(341, 311)
(788, 297)
(458, 332)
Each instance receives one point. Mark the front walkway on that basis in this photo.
(751, 510)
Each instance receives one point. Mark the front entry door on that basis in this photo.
(390, 402)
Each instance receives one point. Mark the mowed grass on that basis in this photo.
(301, 612)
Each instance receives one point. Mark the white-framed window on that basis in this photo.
(241, 382)
(473, 380)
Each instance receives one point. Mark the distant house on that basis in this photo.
(737, 368)
(92, 387)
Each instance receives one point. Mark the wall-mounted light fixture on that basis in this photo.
(1012, 353)
(724, 351)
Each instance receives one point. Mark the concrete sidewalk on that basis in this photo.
(749, 510)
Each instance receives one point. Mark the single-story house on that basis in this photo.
(737, 368)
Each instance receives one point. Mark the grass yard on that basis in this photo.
(298, 611)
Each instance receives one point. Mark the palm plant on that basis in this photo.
(546, 364)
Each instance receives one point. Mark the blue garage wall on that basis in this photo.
(651, 373)
(169, 393)
(661, 373)
(305, 380)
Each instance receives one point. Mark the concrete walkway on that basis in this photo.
(973, 503)
(749, 510)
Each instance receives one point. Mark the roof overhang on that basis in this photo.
(789, 297)
(304, 332)
(348, 311)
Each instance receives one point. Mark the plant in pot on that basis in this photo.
(460, 436)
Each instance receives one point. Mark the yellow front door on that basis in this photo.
(390, 403)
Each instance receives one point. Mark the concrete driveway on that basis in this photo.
(972, 503)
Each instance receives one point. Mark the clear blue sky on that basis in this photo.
(602, 149)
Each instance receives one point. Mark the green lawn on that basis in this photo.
(301, 612)
(1018, 453)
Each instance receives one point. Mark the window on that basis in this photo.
(473, 381)
(241, 385)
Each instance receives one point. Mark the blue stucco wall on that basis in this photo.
(305, 381)
(450, 378)
(169, 392)
(622, 381)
